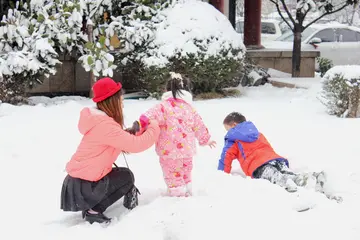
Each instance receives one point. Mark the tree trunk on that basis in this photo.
(296, 53)
(92, 79)
(353, 13)
(354, 103)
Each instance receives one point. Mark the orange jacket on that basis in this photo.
(102, 143)
(251, 148)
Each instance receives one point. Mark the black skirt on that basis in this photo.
(78, 194)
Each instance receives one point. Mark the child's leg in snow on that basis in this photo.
(271, 173)
(187, 169)
(173, 176)
(282, 167)
(300, 179)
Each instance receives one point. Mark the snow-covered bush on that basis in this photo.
(341, 91)
(131, 22)
(26, 50)
(324, 65)
(204, 47)
(35, 32)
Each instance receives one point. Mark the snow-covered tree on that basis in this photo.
(349, 15)
(204, 47)
(341, 91)
(29, 37)
(34, 32)
(298, 25)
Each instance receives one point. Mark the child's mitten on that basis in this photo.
(144, 121)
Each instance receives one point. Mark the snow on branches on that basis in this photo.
(24, 48)
(32, 36)
(324, 6)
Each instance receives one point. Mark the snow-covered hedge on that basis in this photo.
(34, 32)
(193, 27)
(190, 37)
(193, 38)
(341, 91)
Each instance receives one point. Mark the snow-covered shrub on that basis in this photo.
(324, 65)
(26, 51)
(34, 32)
(204, 47)
(341, 91)
(130, 21)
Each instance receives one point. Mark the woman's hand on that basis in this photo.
(134, 129)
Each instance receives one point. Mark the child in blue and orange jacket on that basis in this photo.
(257, 158)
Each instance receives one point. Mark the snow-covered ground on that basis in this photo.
(37, 141)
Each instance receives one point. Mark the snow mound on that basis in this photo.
(347, 71)
(193, 27)
(351, 74)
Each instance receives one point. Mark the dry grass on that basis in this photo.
(216, 95)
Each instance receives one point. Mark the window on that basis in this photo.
(268, 28)
(346, 35)
(289, 36)
(326, 35)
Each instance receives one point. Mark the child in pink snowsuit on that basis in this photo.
(180, 125)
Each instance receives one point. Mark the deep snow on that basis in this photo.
(37, 141)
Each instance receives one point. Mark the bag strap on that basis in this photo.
(127, 165)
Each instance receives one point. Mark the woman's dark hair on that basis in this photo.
(234, 117)
(176, 83)
(112, 107)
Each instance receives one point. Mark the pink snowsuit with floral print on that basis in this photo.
(180, 125)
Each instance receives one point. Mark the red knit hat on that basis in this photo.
(105, 88)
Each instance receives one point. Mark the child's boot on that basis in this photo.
(320, 180)
(177, 191)
(290, 186)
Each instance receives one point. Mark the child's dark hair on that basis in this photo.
(234, 117)
(176, 83)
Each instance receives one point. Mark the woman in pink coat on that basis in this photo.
(92, 184)
(180, 125)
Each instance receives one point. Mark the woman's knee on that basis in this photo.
(128, 174)
(132, 177)
(125, 174)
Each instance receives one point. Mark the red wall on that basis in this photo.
(218, 4)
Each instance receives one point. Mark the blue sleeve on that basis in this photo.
(228, 144)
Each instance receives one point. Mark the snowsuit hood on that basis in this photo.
(245, 132)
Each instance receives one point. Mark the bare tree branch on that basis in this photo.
(307, 11)
(356, 5)
(325, 14)
(287, 11)
(282, 17)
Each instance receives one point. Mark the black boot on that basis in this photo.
(98, 217)
(131, 198)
